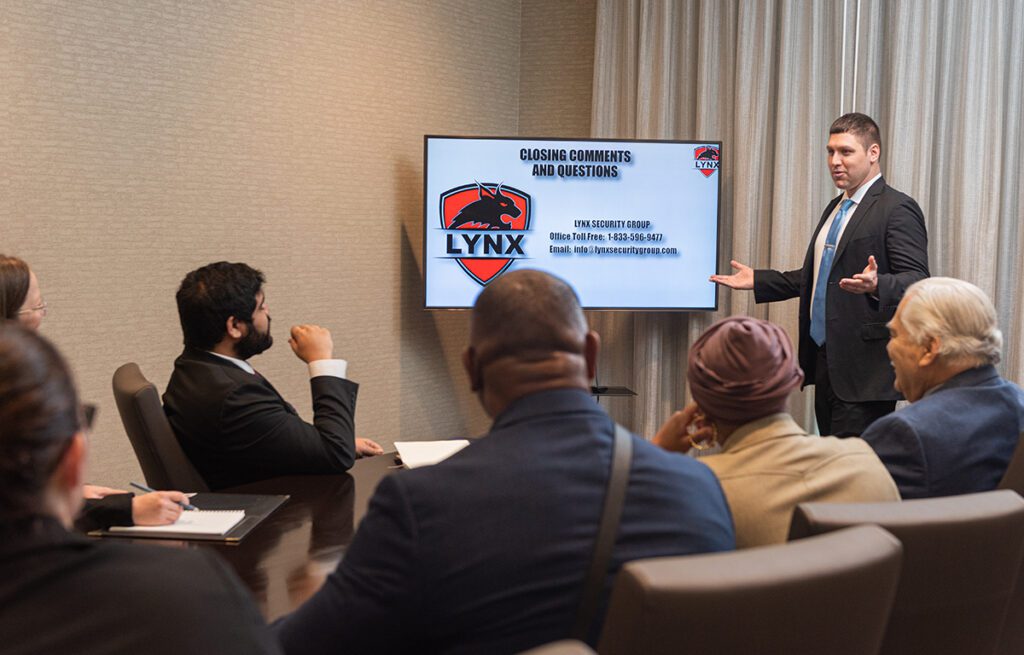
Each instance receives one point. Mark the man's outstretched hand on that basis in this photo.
(863, 282)
(743, 278)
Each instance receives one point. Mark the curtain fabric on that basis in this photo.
(943, 80)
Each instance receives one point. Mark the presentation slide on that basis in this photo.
(629, 224)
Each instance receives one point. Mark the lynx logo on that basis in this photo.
(482, 223)
(705, 160)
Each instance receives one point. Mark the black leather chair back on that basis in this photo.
(163, 462)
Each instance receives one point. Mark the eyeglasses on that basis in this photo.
(42, 308)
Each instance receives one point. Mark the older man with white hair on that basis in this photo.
(964, 422)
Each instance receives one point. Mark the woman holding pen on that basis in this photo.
(21, 301)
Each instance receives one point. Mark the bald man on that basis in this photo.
(487, 551)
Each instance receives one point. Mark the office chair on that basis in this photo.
(829, 594)
(163, 462)
(960, 560)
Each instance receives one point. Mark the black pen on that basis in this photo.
(143, 487)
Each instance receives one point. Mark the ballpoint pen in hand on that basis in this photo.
(143, 487)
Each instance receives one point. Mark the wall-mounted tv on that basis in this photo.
(629, 224)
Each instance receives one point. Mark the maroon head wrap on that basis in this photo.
(741, 369)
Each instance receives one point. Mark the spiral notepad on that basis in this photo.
(195, 522)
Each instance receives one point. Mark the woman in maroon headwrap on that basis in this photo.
(741, 372)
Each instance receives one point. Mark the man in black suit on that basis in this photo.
(869, 246)
(487, 551)
(64, 593)
(231, 422)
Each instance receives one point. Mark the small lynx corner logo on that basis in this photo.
(705, 160)
(481, 222)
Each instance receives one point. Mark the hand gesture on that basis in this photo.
(863, 282)
(157, 508)
(743, 278)
(368, 448)
(681, 429)
(311, 343)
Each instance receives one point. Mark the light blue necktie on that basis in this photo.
(828, 253)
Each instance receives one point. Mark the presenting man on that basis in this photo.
(230, 421)
(960, 432)
(869, 246)
(487, 551)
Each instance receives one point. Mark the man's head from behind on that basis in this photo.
(528, 334)
(942, 327)
(222, 305)
(42, 448)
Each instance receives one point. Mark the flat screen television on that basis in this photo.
(630, 224)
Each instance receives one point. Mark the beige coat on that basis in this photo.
(769, 466)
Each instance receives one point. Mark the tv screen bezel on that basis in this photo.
(718, 219)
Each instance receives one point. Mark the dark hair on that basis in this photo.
(39, 414)
(208, 296)
(14, 281)
(859, 125)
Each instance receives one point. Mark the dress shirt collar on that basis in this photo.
(863, 190)
(242, 364)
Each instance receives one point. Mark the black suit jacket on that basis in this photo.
(236, 428)
(487, 551)
(63, 593)
(889, 225)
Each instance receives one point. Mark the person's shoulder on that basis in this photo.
(839, 447)
(647, 454)
(893, 196)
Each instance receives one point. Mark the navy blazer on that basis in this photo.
(957, 439)
(64, 593)
(487, 551)
(236, 428)
(889, 225)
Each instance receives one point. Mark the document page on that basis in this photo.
(425, 453)
(213, 522)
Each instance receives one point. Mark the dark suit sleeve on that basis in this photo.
(259, 429)
(101, 513)
(896, 443)
(771, 286)
(365, 605)
(906, 251)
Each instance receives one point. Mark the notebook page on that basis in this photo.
(425, 453)
(216, 522)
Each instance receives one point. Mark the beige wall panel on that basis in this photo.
(140, 140)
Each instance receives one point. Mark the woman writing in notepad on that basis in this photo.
(21, 301)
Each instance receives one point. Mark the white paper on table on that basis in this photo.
(425, 453)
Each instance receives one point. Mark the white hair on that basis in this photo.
(958, 313)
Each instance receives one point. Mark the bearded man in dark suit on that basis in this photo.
(231, 422)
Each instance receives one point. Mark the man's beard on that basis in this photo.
(254, 342)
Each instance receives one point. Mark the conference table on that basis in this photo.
(286, 558)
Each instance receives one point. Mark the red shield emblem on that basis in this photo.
(705, 160)
(481, 222)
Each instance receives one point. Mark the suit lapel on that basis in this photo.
(809, 258)
(859, 218)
